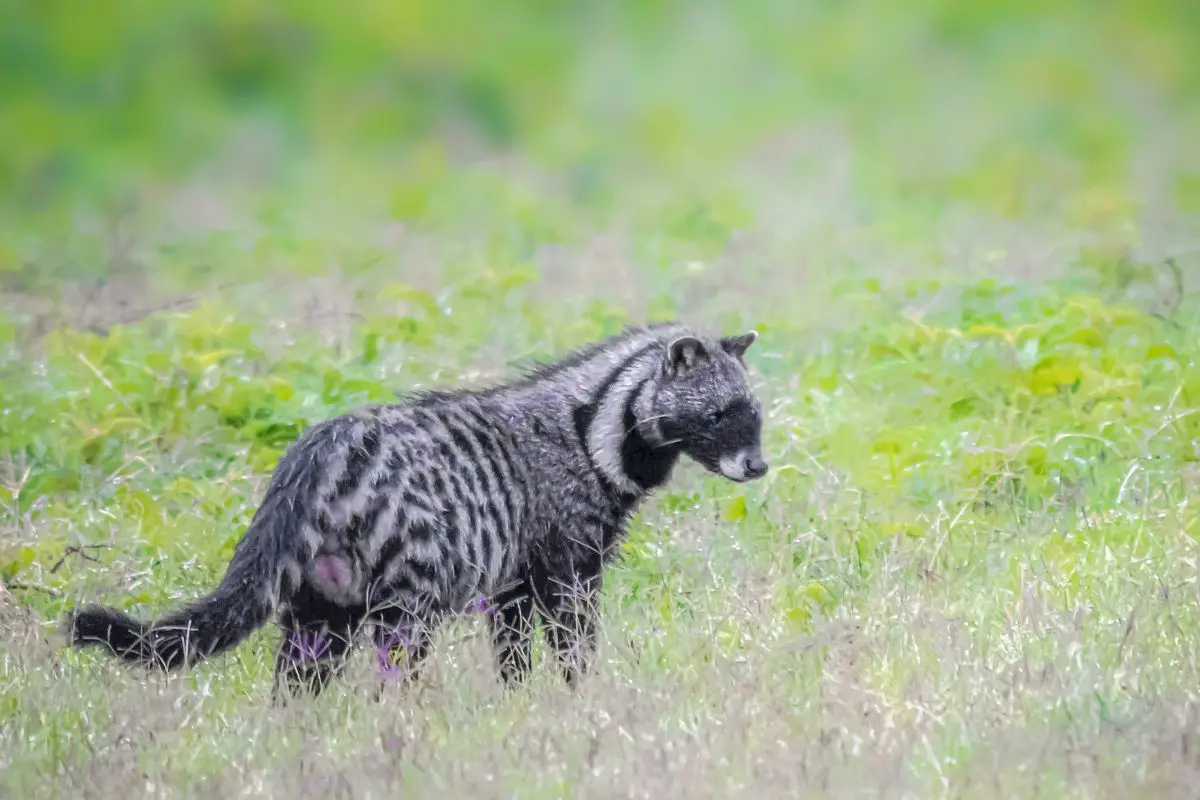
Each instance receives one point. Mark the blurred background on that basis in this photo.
(967, 232)
(653, 155)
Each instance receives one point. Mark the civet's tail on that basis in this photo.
(264, 571)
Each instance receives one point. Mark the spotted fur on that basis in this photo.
(393, 517)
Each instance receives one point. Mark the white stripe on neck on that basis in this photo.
(607, 433)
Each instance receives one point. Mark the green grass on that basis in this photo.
(965, 232)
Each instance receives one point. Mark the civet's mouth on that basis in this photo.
(747, 465)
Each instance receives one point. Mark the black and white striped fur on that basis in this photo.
(392, 517)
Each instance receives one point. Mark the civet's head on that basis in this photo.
(705, 407)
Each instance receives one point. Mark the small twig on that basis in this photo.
(1177, 274)
(1129, 624)
(32, 587)
(107, 383)
(1163, 318)
(79, 550)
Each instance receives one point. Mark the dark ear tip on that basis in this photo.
(739, 344)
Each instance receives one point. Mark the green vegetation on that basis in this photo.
(966, 233)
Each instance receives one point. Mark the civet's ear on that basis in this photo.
(683, 354)
(737, 346)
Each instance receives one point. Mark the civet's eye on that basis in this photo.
(716, 416)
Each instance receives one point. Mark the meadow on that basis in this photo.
(967, 234)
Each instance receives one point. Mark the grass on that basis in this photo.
(966, 235)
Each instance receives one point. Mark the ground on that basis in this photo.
(967, 236)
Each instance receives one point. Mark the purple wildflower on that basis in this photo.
(482, 605)
(385, 640)
(307, 646)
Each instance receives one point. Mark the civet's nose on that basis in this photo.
(754, 465)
